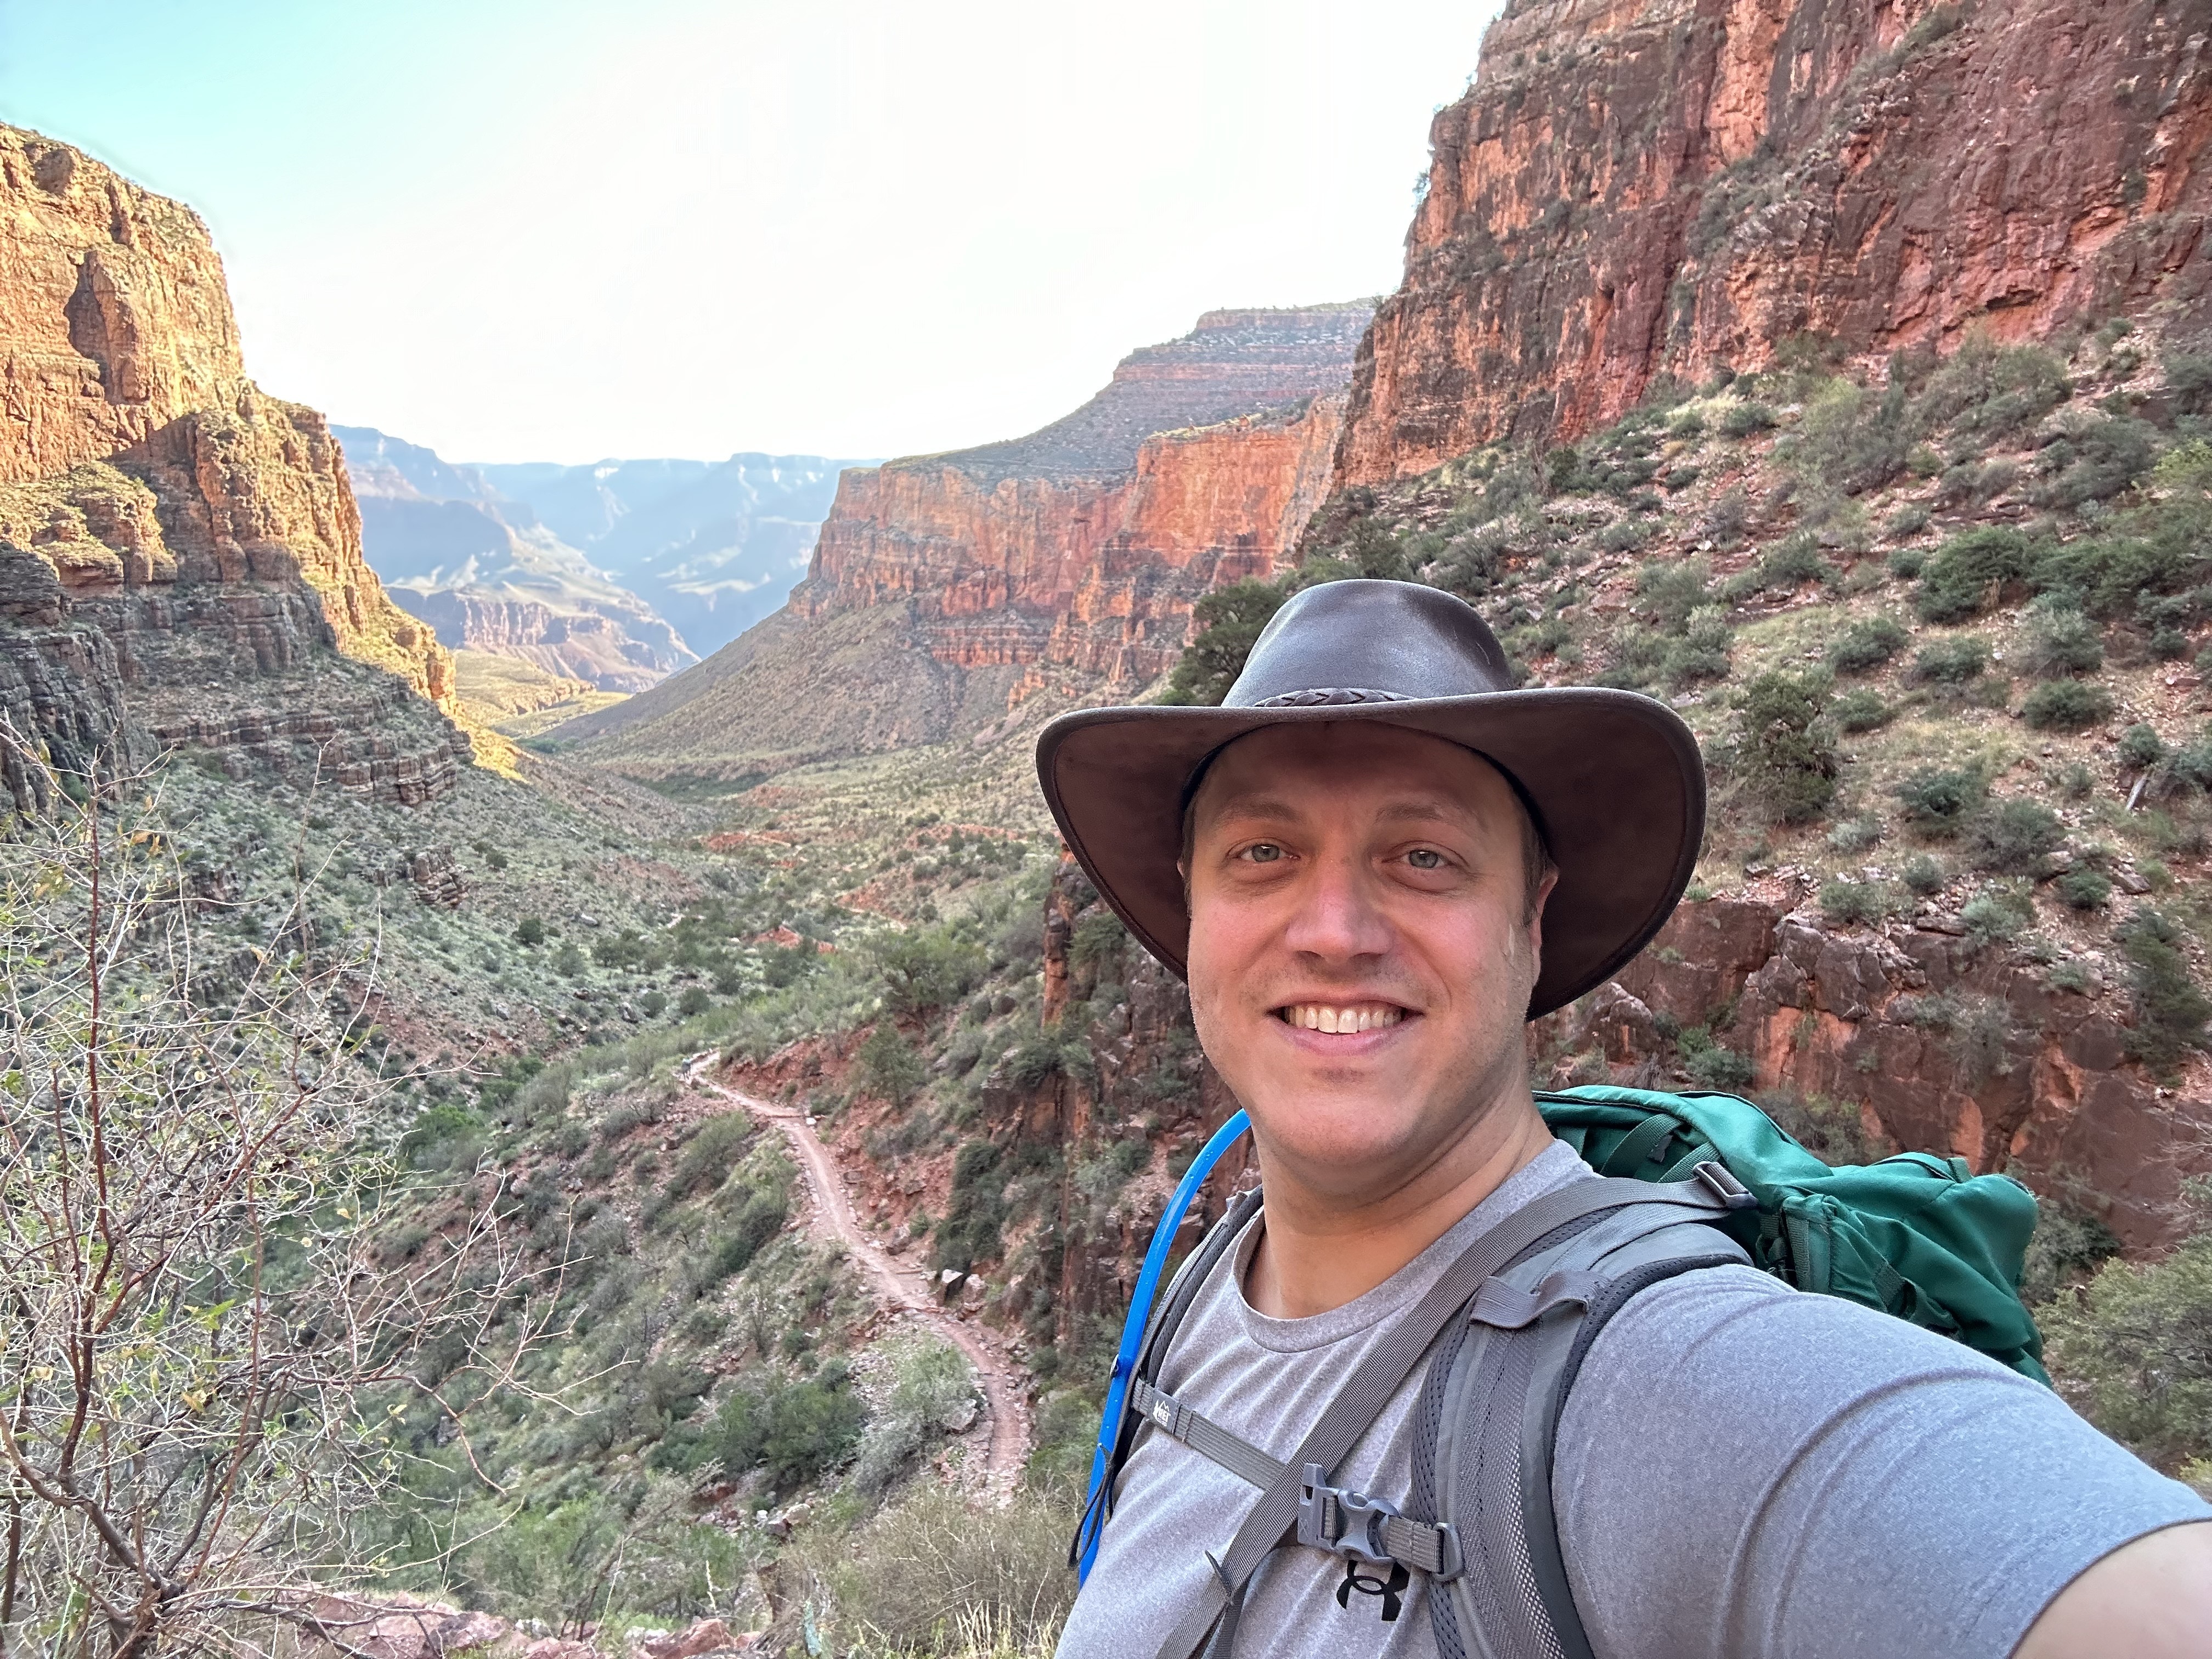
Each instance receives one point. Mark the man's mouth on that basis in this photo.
(1340, 1017)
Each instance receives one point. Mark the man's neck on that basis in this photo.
(1317, 1251)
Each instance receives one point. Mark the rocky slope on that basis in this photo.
(487, 576)
(1635, 191)
(954, 586)
(182, 556)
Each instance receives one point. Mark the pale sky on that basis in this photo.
(546, 230)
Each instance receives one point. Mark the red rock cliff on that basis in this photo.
(1084, 544)
(1671, 186)
(206, 530)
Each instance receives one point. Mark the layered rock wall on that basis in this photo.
(205, 532)
(1942, 1046)
(1679, 186)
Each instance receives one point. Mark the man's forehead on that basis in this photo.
(1286, 771)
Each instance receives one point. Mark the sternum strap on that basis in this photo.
(1342, 1519)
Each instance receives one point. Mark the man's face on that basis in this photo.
(1362, 944)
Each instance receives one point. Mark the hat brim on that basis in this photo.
(1615, 778)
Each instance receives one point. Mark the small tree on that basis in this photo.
(1786, 750)
(200, 1336)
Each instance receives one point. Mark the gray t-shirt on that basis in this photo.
(1742, 1470)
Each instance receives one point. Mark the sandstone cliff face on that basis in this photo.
(946, 587)
(1084, 544)
(1941, 1047)
(203, 533)
(1677, 187)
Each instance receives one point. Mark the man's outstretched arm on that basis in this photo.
(2149, 1599)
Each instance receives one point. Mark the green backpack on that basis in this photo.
(1694, 1180)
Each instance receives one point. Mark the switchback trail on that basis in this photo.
(1006, 1390)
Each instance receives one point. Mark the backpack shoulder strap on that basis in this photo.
(1128, 1413)
(1490, 1411)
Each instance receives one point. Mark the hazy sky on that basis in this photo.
(538, 229)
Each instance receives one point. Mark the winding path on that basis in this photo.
(1005, 1388)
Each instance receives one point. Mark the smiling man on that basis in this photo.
(1373, 863)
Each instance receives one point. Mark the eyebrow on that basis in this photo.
(1411, 810)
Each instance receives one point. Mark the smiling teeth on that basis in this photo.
(1320, 1017)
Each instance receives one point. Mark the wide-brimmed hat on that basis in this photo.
(1613, 778)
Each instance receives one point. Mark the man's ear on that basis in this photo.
(1535, 923)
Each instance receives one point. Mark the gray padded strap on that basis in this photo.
(1272, 1522)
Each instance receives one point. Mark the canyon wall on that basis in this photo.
(182, 552)
(1639, 188)
(945, 588)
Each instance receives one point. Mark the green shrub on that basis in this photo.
(1968, 572)
(2015, 837)
(2137, 1342)
(1741, 420)
(2063, 642)
(1856, 834)
(798, 1431)
(693, 1002)
(886, 1065)
(1784, 750)
(1224, 625)
(569, 961)
(975, 1212)
(1716, 1067)
(2096, 457)
(932, 1394)
(2170, 1012)
(760, 1218)
(1997, 914)
(1952, 662)
(2085, 888)
(1861, 709)
(2140, 747)
(1845, 902)
(1905, 523)
(2192, 765)
(2066, 705)
(1922, 875)
(708, 1156)
(1702, 653)
(928, 969)
(1937, 802)
(1866, 644)
(530, 931)
(1099, 942)
(1907, 562)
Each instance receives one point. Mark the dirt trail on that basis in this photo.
(1006, 1386)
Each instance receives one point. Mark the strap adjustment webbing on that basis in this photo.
(1334, 1519)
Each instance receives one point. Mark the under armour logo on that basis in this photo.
(1358, 1577)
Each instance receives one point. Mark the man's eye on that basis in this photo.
(1426, 858)
(1265, 852)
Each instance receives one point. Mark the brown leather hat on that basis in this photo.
(1613, 777)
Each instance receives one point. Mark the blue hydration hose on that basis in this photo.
(1133, 1332)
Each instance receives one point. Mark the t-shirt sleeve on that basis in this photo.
(1750, 1473)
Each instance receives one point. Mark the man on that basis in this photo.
(1373, 863)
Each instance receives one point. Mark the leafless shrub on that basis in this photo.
(200, 1339)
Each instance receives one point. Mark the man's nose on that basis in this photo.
(1338, 917)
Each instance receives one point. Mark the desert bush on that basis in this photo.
(1741, 419)
(1669, 592)
(1861, 709)
(1937, 802)
(1856, 834)
(2171, 1009)
(1908, 522)
(926, 1572)
(1224, 625)
(932, 1394)
(797, 1430)
(2095, 458)
(1996, 916)
(1852, 438)
(1866, 644)
(2015, 837)
(1847, 902)
(707, 1157)
(530, 931)
(2062, 641)
(2141, 747)
(925, 969)
(2085, 889)
(2066, 705)
(1785, 751)
(2134, 1347)
(1790, 562)
(1968, 572)
(1922, 875)
(886, 1065)
(1702, 653)
(1952, 662)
